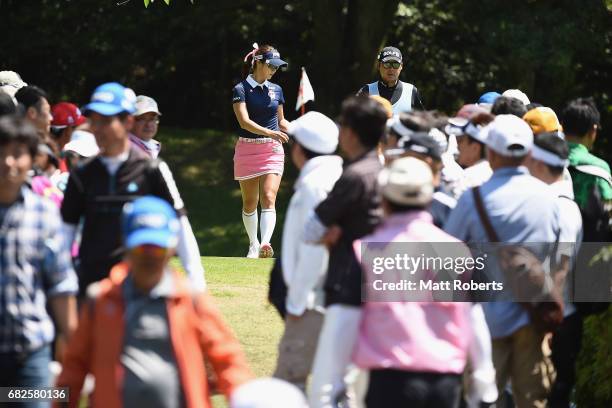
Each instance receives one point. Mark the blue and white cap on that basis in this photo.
(150, 221)
(488, 98)
(110, 99)
(271, 57)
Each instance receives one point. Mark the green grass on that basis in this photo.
(202, 163)
(239, 286)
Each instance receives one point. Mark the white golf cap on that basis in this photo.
(316, 132)
(267, 393)
(10, 90)
(407, 181)
(509, 136)
(11, 78)
(82, 143)
(146, 104)
(517, 94)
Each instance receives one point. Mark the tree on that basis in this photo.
(347, 35)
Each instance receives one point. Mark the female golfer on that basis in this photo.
(259, 157)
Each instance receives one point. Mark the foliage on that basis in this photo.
(593, 383)
(147, 2)
(454, 49)
(553, 51)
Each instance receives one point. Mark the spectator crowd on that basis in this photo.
(91, 216)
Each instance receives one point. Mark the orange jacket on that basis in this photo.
(197, 332)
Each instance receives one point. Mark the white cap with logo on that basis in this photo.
(316, 132)
(508, 135)
(517, 94)
(407, 181)
(146, 104)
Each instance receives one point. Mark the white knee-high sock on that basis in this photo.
(250, 224)
(268, 222)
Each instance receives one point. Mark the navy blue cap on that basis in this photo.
(110, 99)
(150, 221)
(271, 57)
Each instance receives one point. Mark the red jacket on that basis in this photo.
(197, 333)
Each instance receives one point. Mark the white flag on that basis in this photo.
(305, 93)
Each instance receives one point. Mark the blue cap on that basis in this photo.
(271, 57)
(110, 99)
(150, 220)
(489, 97)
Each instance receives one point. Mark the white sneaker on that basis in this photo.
(253, 250)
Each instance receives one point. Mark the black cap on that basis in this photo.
(390, 54)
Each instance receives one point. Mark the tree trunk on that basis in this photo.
(347, 37)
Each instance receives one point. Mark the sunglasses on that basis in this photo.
(153, 251)
(272, 67)
(394, 65)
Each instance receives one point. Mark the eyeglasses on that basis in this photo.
(150, 120)
(153, 251)
(394, 65)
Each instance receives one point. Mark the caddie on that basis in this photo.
(403, 96)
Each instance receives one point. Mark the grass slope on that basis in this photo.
(202, 164)
(239, 286)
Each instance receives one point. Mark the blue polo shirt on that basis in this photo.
(521, 208)
(262, 101)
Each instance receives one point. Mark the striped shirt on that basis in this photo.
(33, 267)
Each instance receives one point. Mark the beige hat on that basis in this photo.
(407, 181)
(146, 104)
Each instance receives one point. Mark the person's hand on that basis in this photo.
(332, 236)
(280, 136)
(284, 126)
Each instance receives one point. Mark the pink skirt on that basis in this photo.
(256, 159)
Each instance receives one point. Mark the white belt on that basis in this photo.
(257, 140)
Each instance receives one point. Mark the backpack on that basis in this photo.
(591, 268)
